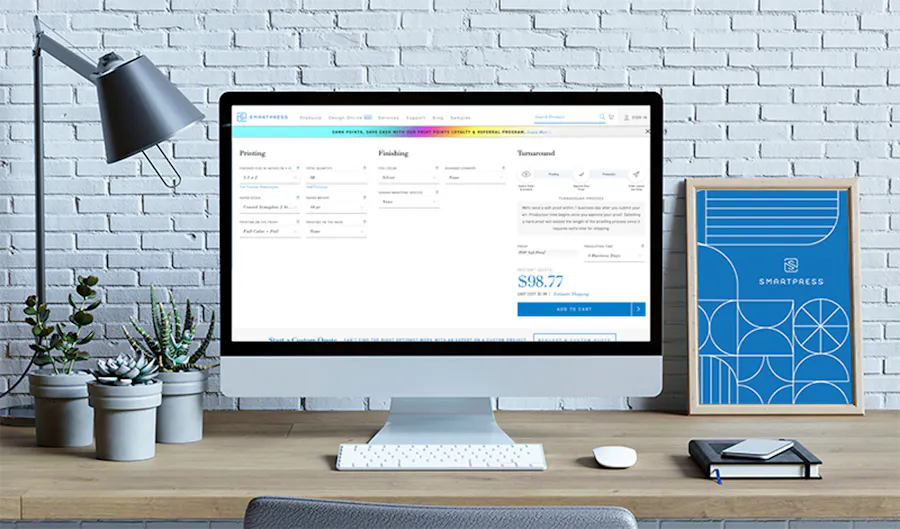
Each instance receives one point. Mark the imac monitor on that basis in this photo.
(413, 245)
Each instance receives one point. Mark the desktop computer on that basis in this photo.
(440, 249)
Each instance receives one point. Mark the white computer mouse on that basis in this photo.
(615, 456)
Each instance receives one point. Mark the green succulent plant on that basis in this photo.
(125, 371)
(169, 345)
(54, 345)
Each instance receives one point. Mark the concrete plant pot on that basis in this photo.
(62, 416)
(180, 417)
(125, 420)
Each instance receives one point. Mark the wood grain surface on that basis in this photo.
(253, 453)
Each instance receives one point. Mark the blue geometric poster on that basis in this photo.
(774, 297)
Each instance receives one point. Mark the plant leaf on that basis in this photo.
(188, 317)
(86, 339)
(83, 318)
(93, 305)
(152, 343)
(30, 311)
(177, 330)
(165, 331)
(72, 302)
(31, 301)
(30, 321)
(83, 290)
(155, 316)
(136, 345)
(42, 360)
(209, 334)
(91, 280)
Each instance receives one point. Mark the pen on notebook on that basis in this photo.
(718, 477)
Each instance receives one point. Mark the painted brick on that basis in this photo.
(664, 39)
(826, 21)
(564, 58)
(510, 58)
(725, 5)
(366, 58)
(334, 5)
(824, 95)
(659, 77)
(706, 58)
(595, 76)
(854, 5)
(602, 39)
(759, 58)
(467, 75)
(853, 40)
(524, 39)
(790, 39)
(399, 38)
(766, 22)
(727, 113)
(432, 20)
(465, 39)
(315, 76)
(724, 77)
(643, 22)
(823, 58)
(566, 21)
(368, 20)
(533, 76)
(531, 5)
(743, 39)
(695, 21)
(412, 5)
(429, 58)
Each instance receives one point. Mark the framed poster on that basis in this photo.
(774, 314)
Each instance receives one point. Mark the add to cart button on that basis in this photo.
(607, 309)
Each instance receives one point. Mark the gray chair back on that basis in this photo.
(303, 513)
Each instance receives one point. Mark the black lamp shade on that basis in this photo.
(139, 108)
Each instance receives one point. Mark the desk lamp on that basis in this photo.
(139, 108)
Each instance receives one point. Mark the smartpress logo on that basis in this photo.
(791, 265)
(243, 117)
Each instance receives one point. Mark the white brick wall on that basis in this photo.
(752, 88)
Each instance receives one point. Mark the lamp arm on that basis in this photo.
(45, 43)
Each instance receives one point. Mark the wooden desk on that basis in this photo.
(247, 454)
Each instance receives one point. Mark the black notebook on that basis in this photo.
(797, 463)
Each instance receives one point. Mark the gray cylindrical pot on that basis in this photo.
(180, 417)
(125, 420)
(62, 416)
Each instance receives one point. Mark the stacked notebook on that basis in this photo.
(796, 462)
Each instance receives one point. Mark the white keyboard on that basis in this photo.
(441, 457)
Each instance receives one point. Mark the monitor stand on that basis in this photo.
(438, 420)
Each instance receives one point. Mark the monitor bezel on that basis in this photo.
(653, 347)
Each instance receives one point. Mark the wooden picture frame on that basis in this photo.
(747, 224)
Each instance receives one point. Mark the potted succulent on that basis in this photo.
(180, 418)
(125, 395)
(62, 417)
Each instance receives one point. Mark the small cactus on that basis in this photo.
(169, 345)
(125, 371)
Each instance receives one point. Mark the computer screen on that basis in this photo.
(440, 223)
